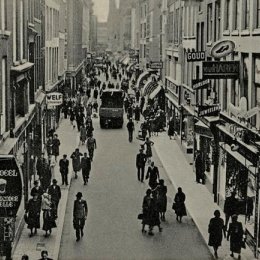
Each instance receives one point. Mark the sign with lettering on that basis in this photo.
(156, 65)
(10, 186)
(220, 69)
(200, 84)
(208, 110)
(54, 99)
(222, 49)
(196, 56)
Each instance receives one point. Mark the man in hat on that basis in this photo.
(64, 169)
(85, 167)
(80, 213)
(130, 127)
(55, 192)
(140, 164)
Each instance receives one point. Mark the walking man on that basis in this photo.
(91, 146)
(55, 192)
(153, 175)
(64, 169)
(86, 167)
(75, 156)
(130, 127)
(80, 212)
(140, 165)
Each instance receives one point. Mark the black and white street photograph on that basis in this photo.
(129, 129)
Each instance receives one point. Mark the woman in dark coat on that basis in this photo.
(216, 229)
(56, 146)
(171, 128)
(162, 199)
(146, 207)
(154, 214)
(48, 214)
(180, 209)
(235, 233)
(49, 146)
(148, 151)
(33, 211)
(76, 165)
(137, 113)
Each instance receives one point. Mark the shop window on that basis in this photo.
(3, 12)
(209, 22)
(247, 13)
(236, 14)
(217, 20)
(258, 14)
(227, 15)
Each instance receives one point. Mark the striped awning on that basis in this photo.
(141, 78)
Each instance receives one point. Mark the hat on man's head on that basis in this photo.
(54, 181)
(35, 182)
(79, 195)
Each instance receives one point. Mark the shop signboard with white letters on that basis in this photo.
(10, 186)
(195, 56)
(54, 99)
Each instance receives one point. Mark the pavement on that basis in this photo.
(199, 201)
(33, 246)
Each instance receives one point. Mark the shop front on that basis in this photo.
(238, 172)
(204, 142)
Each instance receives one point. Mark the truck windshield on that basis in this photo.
(112, 100)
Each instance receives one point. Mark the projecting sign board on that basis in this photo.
(220, 69)
(222, 49)
(208, 110)
(54, 99)
(10, 186)
(156, 65)
(200, 83)
(196, 56)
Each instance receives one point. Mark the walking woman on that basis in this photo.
(171, 131)
(179, 205)
(33, 210)
(235, 233)
(216, 229)
(148, 151)
(162, 199)
(83, 134)
(146, 207)
(48, 214)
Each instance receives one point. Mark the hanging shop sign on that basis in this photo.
(220, 69)
(89, 55)
(196, 56)
(200, 84)
(222, 49)
(10, 186)
(156, 65)
(54, 99)
(208, 110)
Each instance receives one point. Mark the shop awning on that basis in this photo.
(22, 67)
(172, 100)
(240, 158)
(202, 129)
(146, 90)
(143, 76)
(155, 91)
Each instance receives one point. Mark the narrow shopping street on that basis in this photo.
(114, 198)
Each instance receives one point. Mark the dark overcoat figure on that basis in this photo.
(33, 209)
(64, 169)
(56, 146)
(55, 192)
(235, 233)
(199, 167)
(140, 165)
(75, 156)
(180, 209)
(215, 229)
(85, 167)
(171, 128)
(137, 113)
(153, 175)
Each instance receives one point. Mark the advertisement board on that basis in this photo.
(54, 99)
(200, 83)
(221, 69)
(10, 186)
(196, 56)
(156, 65)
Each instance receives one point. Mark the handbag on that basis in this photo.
(174, 206)
(25, 217)
(243, 244)
(140, 216)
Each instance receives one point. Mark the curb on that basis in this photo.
(59, 230)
